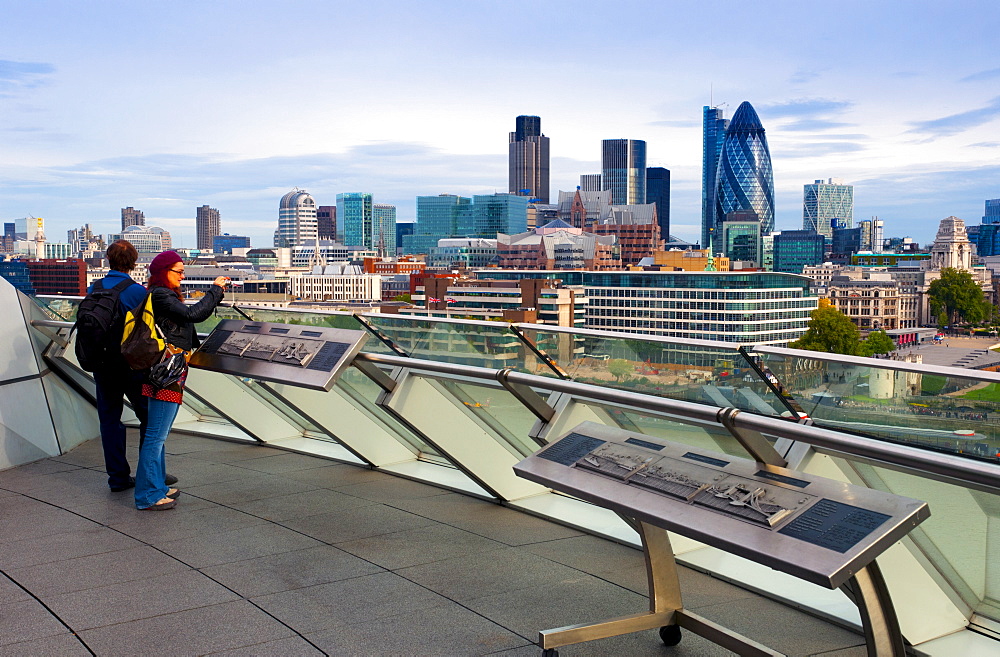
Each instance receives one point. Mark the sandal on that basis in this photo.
(162, 505)
(173, 493)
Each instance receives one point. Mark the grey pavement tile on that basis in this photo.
(359, 600)
(300, 505)
(801, 634)
(252, 487)
(179, 443)
(44, 467)
(449, 630)
(183, 523)
(290, 647)
(69, 480)
(25, 621)
(332, 476)
(355, 523)
(127, 601)
(284, 462)
(487, 519)
(584, 599)
(94, 571)
(120, 507)
(58, 645)
(490, 573)
(638, 644)
(197, 472)
(391, 489)
(588, 553)
(856, 651)
(290, 570)
(418, 546)
(224, 452)
(188, 633)
(239, 545)
(58, 547)
(11, 592)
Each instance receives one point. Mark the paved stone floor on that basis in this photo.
(274, 553)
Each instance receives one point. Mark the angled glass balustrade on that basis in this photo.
(940, 408)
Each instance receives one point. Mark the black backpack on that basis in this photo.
(99, 323)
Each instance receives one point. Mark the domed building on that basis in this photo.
(297, 223)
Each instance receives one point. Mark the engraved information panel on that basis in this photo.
(304, 356)
(815, 528)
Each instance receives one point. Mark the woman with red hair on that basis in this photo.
(176, 320)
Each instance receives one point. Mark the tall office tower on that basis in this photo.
(498, 213)
(658, 192)
(713, 135)
(528, 159)
(438, 219)
(9, 236)
(872, 234)
(354, 219)
(296, 220)
(623, 170)
(992, 215)
(383, 229)
(795, 249)
(132, 217)
(825, 202)
(744, 179)
(207, 225)
(590, 182)
(326, 222)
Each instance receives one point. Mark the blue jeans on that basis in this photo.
(113, 385)
(152, 468)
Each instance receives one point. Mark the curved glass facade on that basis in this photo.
(745, 179)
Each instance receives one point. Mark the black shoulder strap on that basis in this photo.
(98, 286)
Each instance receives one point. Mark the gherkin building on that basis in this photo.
(745, 180)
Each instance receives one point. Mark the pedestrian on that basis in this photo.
(114, 380)
(177, 322)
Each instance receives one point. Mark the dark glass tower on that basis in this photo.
(658, 192)
(528, 159)
(713, 136)
(744, 178)
(623, 170)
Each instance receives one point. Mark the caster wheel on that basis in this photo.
(670, 635)
(550, 652)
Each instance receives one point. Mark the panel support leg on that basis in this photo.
(878, 616)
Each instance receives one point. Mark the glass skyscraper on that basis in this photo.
(825, 202)
(623, 170)
(744, 178)
(438, 218)
(658, 192)
(499, 213)
(992, 215)
(354, 219)
(383, 229)
(712, 137)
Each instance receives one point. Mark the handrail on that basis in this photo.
(941, 466)
(952, 469)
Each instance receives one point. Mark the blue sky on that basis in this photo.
(168, 106)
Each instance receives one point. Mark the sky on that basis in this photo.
(169, 106)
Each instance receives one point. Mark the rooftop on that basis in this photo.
(272, 552)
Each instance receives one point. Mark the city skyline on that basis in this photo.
(903, 111)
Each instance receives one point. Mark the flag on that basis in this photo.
(433, 300)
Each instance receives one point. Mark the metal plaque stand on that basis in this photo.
(666, 610)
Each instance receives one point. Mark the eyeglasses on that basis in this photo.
(176, 271)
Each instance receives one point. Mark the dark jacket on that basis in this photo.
(177, 320)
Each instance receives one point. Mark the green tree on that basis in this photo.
(403, 297)
(958, 295)
(831, 331)
(620, 368)
(877, 342)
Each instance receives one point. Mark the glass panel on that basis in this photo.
(963, 530)
(491, 345)
(267, 396)
(713, 438)
(718, 376)
(953, 414)
(59, 308)
(365, 394)
(202, 410)
(500, 411)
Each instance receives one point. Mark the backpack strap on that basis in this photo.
(122, 285)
